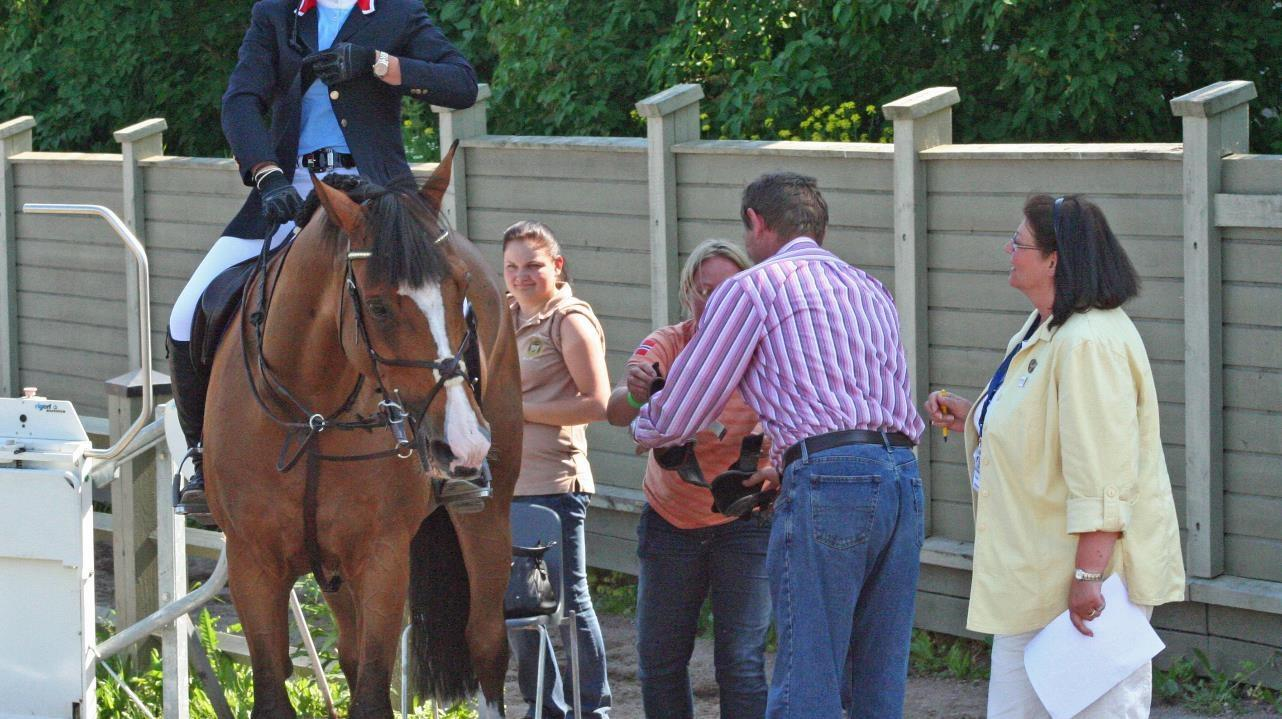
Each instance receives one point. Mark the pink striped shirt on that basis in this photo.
(811, 343)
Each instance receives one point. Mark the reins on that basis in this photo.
(300, 435)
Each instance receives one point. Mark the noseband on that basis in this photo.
(448, 370)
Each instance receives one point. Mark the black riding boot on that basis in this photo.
(189, 387)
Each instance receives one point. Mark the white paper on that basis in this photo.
(1070, 670)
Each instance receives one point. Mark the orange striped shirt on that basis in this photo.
(685, 505)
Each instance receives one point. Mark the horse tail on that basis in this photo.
(439, 603)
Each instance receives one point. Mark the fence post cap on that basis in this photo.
(921, 103)
(16, 126)
(129, 384)
(141, 130)
(1214, 99)
(670, 100)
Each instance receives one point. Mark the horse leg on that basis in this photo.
(379, 594)
(261, 595)
(488, 556)
(343, 605)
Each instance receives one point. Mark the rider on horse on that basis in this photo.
(332, 73)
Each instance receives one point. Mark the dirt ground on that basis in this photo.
(927, 697)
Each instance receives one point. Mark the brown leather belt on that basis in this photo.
(828, 440)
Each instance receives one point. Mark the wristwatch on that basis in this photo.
(382, 63)
(1082, 575)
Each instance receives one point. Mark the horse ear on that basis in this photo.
(434, 189)
(339, 208)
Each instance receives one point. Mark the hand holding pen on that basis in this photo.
(947, 411)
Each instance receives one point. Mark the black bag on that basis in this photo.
(529, 588)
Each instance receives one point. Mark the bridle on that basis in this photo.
(410, 432)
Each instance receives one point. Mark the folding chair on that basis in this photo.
(532, 525)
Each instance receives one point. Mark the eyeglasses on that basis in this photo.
(1016, 245)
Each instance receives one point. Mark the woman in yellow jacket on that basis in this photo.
(1065, 457)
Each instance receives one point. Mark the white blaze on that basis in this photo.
(462, 431)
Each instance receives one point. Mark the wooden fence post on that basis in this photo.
(671, 116)
(15, 137)
(171, 541)
(133, 507)
(1215, 120)
(461, 125)
(137, 141)
(922, 120)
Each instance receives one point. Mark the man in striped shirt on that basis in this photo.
(813, 346)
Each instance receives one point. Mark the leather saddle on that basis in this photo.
(218, 304)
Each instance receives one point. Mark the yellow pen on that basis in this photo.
(942, 394)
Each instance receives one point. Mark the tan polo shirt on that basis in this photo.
(554, 460)
(1071, 444)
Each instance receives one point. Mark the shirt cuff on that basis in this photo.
(1108, 513)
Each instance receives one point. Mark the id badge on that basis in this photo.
(975, 458)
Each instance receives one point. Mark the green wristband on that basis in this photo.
(633, 403)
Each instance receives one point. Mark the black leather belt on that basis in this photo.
(820, 442)
(325, 159)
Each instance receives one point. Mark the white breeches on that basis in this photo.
(226, 252)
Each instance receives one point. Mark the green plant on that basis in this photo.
(846, 122)
(1198, 685)
(613, 592)
(418, 129)
(931, 654)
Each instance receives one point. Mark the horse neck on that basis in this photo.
(301, 338)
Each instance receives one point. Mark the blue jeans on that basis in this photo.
(679, 567)
(572, 508)
(843, 563)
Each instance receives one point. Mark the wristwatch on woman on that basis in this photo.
(382, 63)
(1082, 575)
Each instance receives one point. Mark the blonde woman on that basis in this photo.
(564, 387)
(689, 552)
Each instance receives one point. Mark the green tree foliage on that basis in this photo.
(1028, 70)
(86, 69)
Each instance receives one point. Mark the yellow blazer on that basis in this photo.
(1071, 444)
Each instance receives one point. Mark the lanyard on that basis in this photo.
(1000, 376)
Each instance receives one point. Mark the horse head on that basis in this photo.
(404, 326)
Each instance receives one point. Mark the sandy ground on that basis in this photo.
(927, 697)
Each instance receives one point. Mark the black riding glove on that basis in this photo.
(341, 63)
(281, 201)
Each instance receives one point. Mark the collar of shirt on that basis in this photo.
(366, 6)
(563, 293)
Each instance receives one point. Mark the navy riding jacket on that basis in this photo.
(267, 78)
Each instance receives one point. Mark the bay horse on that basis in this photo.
(342, 364)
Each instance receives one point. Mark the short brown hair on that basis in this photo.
(790, 204)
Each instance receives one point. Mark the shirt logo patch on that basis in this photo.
(534, 348)
(644, 349)
(1032, 365)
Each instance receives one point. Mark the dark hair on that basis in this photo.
(541, 236)
(403, 228)
(1093, 271)
(789, 203)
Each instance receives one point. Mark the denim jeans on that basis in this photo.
(843, 563)
(572, 508)
(679, 568)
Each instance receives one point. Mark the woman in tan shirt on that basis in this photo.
(564, 386)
